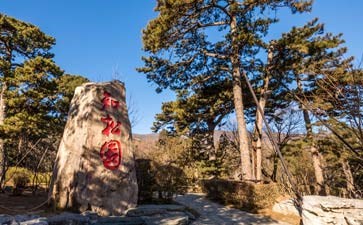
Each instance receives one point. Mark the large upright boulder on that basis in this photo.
(95, 168)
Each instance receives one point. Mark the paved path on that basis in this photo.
(213, 213)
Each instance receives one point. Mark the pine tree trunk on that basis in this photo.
(253, 161)
(349, 178)
(318, 170)
(238, 104)
(2, 150)
(209, 139)
(274, 171)
(258, 139)
(259, 120)
(316, 157)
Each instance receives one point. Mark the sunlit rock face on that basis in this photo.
(322, 210)
(95, 168)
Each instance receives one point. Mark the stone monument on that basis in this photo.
(95, 167)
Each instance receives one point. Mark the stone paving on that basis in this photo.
(213, 213)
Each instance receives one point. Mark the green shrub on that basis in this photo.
(145, 180)
(161, 180)
(21, 179)
(41, 178)
(19, 173)
(170, 180)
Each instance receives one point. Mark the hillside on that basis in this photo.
(144, 143)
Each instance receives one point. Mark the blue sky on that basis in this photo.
(98, 38)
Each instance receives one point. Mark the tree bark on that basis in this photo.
(316, 156)
(2, 150)
(275, 165)
(212, 154)
(4, 87)
(318, 170)
(257, 134)
(238, 104)
(349, 178)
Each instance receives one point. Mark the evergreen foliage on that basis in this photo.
(35, 92)
(201, 48)
(183, 56)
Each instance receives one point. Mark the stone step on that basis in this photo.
(119, 221)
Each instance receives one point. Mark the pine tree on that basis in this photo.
(19, 41)
(196, 117)
(31, 96)
(182, 56)
(306, 56)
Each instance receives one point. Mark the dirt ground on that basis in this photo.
(24, 204)
(291, 219)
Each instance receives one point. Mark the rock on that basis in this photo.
(25, 217)
(23, 220)
(95, 166)
(5, 219)
(68, 218)
(161, 214)
(169, 219)
(93, 216)
(146, 215)
(37, 221)
(190, 215)
(149, 210)
(286, 207)
(321, 210)
(118, 220)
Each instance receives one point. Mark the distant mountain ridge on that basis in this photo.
(151, 136)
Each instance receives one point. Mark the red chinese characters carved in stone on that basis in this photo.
(111, 154)
(108, 101)
(111, 126)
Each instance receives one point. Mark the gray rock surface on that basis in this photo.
(143, 215)
(118, 220)
(162, 214)
(285, 207)
(91, 169)
(167, 219)
(321, 210)
(37, 221)
(25, 217)
(68, 218)
(149, 210)
(5, 219)
(23, 220)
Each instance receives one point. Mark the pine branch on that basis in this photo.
(215, 55)
(219, 23)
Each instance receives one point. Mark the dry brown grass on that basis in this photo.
(291, 219)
